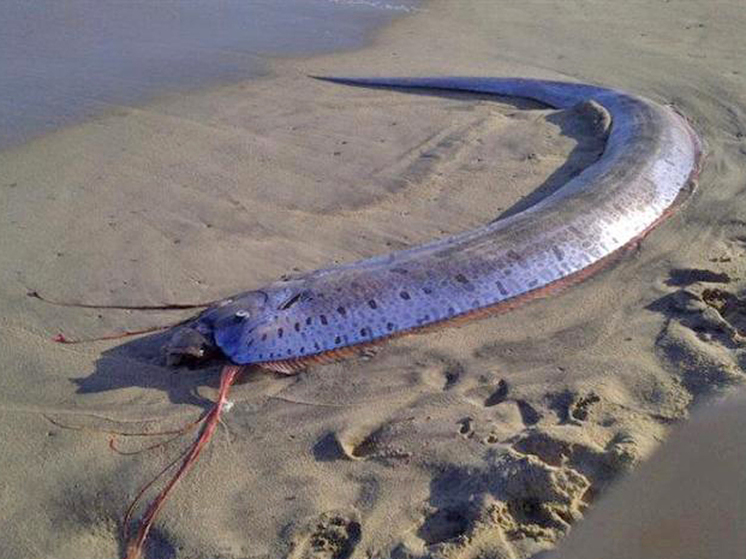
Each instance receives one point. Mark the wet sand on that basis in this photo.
(63, 63)
(488, 440)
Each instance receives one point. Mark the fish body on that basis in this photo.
(651, 156)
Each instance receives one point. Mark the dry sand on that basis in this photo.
(483, 441)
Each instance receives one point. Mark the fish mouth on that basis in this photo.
(189, 347)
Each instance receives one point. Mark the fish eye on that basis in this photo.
(243, 314)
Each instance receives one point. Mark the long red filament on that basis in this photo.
(161, 307)
(62, 339)
(135, 545)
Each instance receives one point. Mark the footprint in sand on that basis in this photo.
(443, 525)
(573, 407)
(529, 414)
(466, 427)
(487, 393)
(379, 443)
(704, 335)
(498, 396)
(334, 535)
(440, 372)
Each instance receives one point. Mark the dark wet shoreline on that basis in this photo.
(62, 63)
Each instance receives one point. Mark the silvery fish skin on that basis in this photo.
(650, 158)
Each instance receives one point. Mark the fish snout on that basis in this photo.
(188, 346)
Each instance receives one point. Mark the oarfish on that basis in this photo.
(651, 157)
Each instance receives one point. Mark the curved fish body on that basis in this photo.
(650, 158)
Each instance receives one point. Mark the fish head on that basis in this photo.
(189, 346)
(203, 338)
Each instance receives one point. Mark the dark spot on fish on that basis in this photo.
(404, 295)
(501, 287)
(372, 304)
(249, 342)
(389, 326)
(290, 351)
(451, 310)
(533, 282)
(302, 349)
(323, 320)
(309, 320)
(464, 280)
(363, 332)
(401, 271)
(337, 340)
(297, 326)
(427, 290)
(558, 253)
(513, 255)
(271, 355)
(264, 337)
(342, 311)
(315, 345)
(280, 332)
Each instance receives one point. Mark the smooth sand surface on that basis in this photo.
(487, 440)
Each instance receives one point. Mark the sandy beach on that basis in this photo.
(494, 439)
